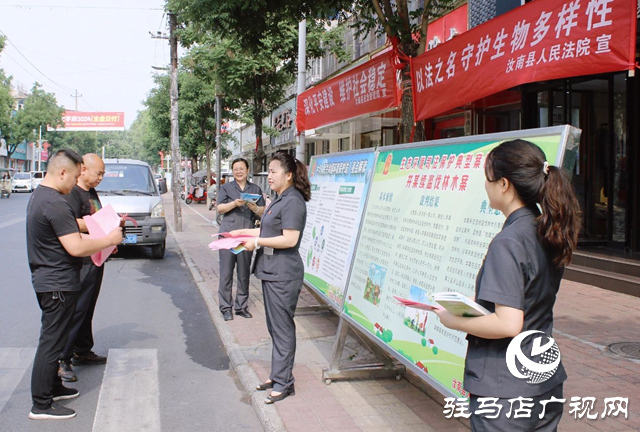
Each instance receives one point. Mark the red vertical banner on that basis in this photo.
(542, 40)
(368, 88)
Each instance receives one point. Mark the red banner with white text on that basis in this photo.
(542, 40)
(91, 121)
(368, 88)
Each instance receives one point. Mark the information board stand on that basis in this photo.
(425, 228)
(386, 368)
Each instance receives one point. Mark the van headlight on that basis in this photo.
(158, 211)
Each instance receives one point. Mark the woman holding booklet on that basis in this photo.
(279, 266)
(238, 213)
(518, 283)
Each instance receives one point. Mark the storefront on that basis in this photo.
(604, 106)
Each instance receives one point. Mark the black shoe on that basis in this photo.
(244, 313)
(65, 372)
(64, 393)
(265, 385)
(227, 315)
(89, 358)
(291, 391)
(54, 412)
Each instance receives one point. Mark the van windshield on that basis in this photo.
(126, 179)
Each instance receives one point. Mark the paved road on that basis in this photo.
(167, 368)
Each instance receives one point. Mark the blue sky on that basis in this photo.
(102, 48)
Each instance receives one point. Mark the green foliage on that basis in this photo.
(40, 110)
(423, 342)
(6, 101)
(386, 336)
(434, 350)
(250, 47)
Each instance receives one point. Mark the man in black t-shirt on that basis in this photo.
(54, 249)
(84, 201)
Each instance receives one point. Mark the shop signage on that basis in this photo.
(542, 40)
(91, 121)
(368, 88)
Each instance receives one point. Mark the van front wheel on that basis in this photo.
(157, 251)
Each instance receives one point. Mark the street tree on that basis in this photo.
(252, 47)
(407, 29)
(40, 110)
(6, 101)
(196, 115)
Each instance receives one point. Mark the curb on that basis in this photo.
(268, 415)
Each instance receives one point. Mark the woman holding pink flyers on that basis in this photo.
(280, 267)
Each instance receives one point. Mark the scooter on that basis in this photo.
(191, 196)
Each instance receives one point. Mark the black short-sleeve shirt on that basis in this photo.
(287, 211)
(50, 216)
(517, 272)
(83, 203)
(238, 217)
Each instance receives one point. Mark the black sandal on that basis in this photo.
(265, 386)
(291, 391)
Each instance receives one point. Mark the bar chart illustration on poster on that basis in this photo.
(426, 227)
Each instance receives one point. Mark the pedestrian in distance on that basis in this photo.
(238, 214)
(84, 201)
(54, 249)
(279, 266)
(518, 283)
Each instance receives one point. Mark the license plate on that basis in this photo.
(130, 239)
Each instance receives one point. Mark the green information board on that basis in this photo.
(426, 228)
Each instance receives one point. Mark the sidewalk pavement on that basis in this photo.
(587, 319)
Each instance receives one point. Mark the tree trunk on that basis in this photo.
(257, 160)
(406, 120)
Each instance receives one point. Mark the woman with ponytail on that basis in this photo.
(279, 266)
(518, 283)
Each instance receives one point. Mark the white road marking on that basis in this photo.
(130, 393)
(14, 362)
(199, 214)
(12, 222)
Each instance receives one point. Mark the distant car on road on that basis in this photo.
(21, 182)
(128, 185)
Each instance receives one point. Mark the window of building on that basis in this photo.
(344, 144)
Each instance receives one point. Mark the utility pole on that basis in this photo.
(302, 78)
(218, 145)
(76, 96)
(175, 142)
(39, 149)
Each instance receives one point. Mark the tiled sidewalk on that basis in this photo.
(587, 319)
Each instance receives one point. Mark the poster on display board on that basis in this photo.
(339, 185)
(426, 228)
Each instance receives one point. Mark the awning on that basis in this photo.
(542, 40)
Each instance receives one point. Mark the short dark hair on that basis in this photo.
(240, 160)
(64, 157)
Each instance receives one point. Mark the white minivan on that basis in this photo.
(128, 185)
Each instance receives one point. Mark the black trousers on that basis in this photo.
(242, 262)
(80, 338)
(57, 314)
(280, 301)
(548, 423)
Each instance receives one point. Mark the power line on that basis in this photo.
(79, 7)
(34, 66)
